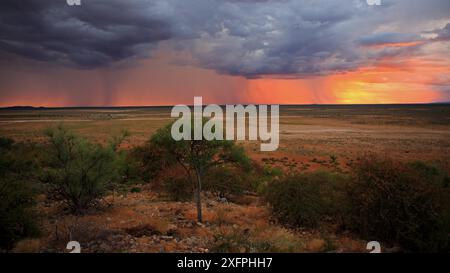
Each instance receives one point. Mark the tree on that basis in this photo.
(197, 156)
(81, 170)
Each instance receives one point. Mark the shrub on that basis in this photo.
(81, 171)
(269, 240)
(225, 180)
(178, 188)
(6, 143)
(272, 171)
(150, 160)
(17, 219)
(135, 190)
(238, 241)
(406, 204)
(127, 166)
(307, 199)
(263, 175)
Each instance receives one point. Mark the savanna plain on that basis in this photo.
(342, 176)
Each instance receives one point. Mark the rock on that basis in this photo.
(316, 245)
(171, 229)
(104, 247)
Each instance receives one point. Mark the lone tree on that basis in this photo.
(197, 156)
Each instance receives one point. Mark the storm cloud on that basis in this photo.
(96, 34)
(250, 38)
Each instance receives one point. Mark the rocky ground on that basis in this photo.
(148, 222)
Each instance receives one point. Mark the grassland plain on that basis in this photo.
(306, 132)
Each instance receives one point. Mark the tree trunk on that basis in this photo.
(199, 198)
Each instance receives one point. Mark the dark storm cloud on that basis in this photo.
(293, 38)
(96, 34)
(251, 38)
(275, 38)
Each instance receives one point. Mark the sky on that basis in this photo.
(165, 52)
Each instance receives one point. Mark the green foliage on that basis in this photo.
(80, 170)
(127, 166)
(407, 204)
(17, 219)
(430, 173)
(307, 199)
(261, 176)
(197, 156)
(269, 171)
(386, 200)
(226, 180)
(178, 188)
(149, 160)
(135, 190)
(6, 143)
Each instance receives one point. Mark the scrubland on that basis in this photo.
(342, 176)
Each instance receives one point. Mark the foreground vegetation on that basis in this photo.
(383, 200)
(404, 204)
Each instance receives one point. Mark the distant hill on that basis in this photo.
(22, 108)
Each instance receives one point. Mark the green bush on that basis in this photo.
(80, 170)
(178, 188)
(127, 166)
(406, 204)
(135, 190)
(6, 143)
(226, 180)
(149, 160)
(263, 175)
(307, 199)
(17, 219)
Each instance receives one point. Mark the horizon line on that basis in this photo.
(191, 105)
